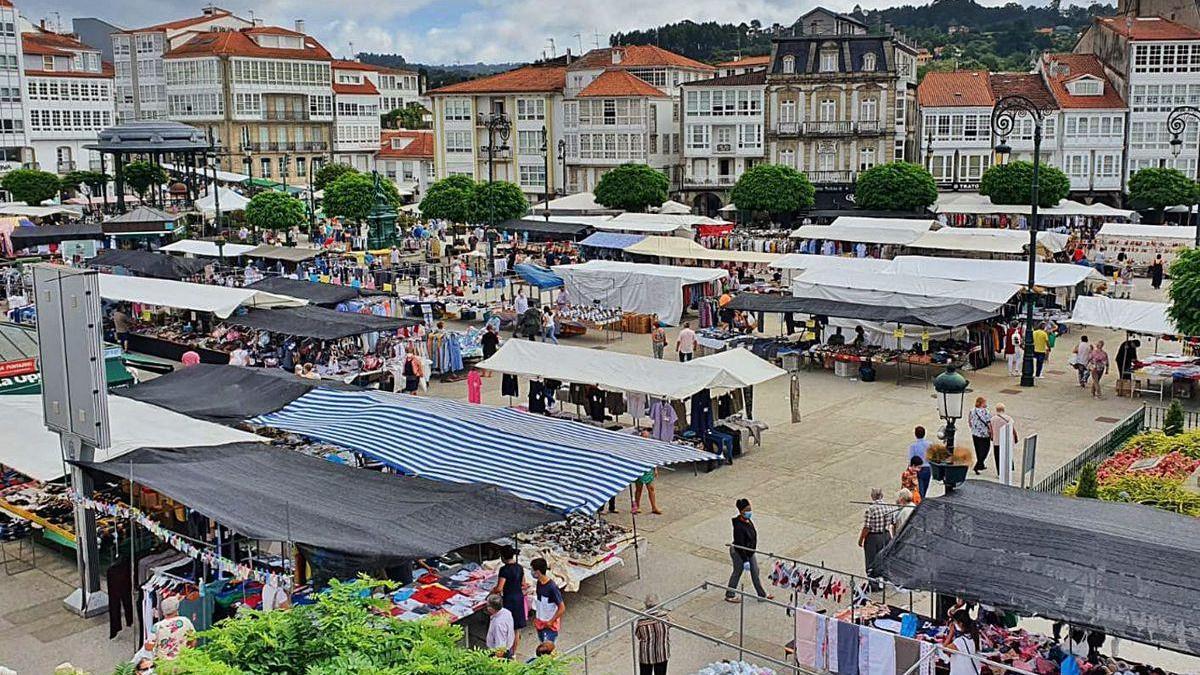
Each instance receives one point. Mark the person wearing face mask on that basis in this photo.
(741, 554)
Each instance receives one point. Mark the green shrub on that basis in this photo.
(1173, 420)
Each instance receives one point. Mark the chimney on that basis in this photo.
(617, 55)
(568, 57)
(299, 25)
(208, 10)
(258, 22)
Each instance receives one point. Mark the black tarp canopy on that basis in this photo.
(315, 293)
(223, 394)
(1126, 569)
(951, 315)
(547, 229)
(317, 322)
(265, 492)
(36, 235)
(149, 264)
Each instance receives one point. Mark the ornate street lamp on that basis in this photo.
(1176, 124)
(951, 388)
(497, 124)
(1005, 116)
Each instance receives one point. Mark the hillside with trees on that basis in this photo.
(437, 76)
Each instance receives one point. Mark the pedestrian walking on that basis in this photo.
(1079, 359)
(658, 340)
(1156, 272)
(919, 448)
(981, 432)
(549, 605)
(1127, 358)
(1041, 349)
(1012, 349)
(1000, 420)
(645, 482)
(510, 587)
(685, 344)
(876, 530)
(1098, 365)
(549, 329)
(904, 509)
(172, 633)
(653, 638)
(741, 554)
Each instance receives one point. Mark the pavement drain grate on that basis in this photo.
(601, 347)
(1107, 420)
(1010, 392)
(1056, 372)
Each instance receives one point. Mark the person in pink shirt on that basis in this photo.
(685, 344)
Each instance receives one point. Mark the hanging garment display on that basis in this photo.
(509, 386)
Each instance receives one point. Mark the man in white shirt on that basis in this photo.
(521, 303)
(501, 636)
(685, 344)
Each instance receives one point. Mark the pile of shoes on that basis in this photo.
(580, 536)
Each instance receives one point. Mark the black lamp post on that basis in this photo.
(1005, 115)
(1176, 124)
(929, 148)
(951, 388)
(312, 201)
(562, 157)
(546, 169)
(497, 124)
(212, 161)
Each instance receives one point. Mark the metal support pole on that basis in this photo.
(741, 628)
(1027, 362)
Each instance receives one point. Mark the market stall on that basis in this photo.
(144, 222)
(228, 199)
(1063, 279)
(876, 232)
(901, 290)
(204, 248)
(989, 242)
(147, 264)
(1142, 243)
(545, 230)
(681, 248)
(793, 264)
(222, 393)
(315, 292)
(283, 254)
(35, 237)
(662, 290)
(1133, 316)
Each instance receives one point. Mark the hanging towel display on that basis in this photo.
(864, 650)
(806, 639)
(907, 653)
(882, 651)
(847, 648)
(831, 645)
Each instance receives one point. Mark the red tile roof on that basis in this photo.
(420, 147)
(620, 83)
(51, 44)
(1060, 69)
(1148, 28)
(1029, 85)
(962, 88)
(747, 61)
(523, 79)
(636, 56)
(217, 13)
(364, 89)
(343, 64)
(5, 3)
(106, 75)
(239, 43)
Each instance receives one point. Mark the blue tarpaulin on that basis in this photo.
(615, 240)
(536, 275)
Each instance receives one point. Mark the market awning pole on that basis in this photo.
(637, 557)
(133, 588)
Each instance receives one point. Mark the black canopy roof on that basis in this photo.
(149, 264)
(543, 229)
(1126, 569)
(36, 235)
(316, 293)
(221, 393)
(317, 322)
(265, 492)
(943, 316)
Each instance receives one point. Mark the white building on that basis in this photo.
(622, 105)
(1091, 126)
(530, 98)
(741, 65)
(139, 74)
(13, 140)
(956, 127)
(68, 99)
(406, 158)
(397, 88)
(723, 126)
(356, 114)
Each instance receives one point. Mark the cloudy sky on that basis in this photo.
(444, 31)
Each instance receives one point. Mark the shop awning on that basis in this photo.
(989, 240)
(536, 275)
(295, 497)
(614, 240)
(950, 315)
(560, 465)
(808, 261)
(17, 209)
(900, 290)
(284, 253)
(686, 249)
(315, 322)
(29, 447)
(545, 229)
(613, 371)
(1048, 275)
(148, 263)
(1135, 316)
(220, 393)
(742, 364)
(975, 203)
(265, 183)
(1174, 234)
(580, 202)
(141, 220)
(634, 287)
(314, 292)
(1126, 569)
(220, 300)
(229, 201)
(26, 236)
(868, 230)
(205, 248)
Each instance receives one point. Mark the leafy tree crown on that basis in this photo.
(30, 185)
(773, 188)
(1157, 188)
(632, 187)
(1012, 183)
(896, 186)
(271, 210)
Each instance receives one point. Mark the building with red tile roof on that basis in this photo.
(1078, 81)
(637, 56)
(613, 83)
(526, 79)
(406, 157)
(969, 88)
(257, 42)
(742, 65)
(356, 113)
(1148, 28)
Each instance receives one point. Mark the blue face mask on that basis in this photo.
(748, 515)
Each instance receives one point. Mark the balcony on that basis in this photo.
(787, 129)
(1086, 183)
(500, 152)
(828, 128)
(285, 115)
(708, 182)
(830, 177)
(871, 128)
(724, 148)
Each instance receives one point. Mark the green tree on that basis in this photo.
(328, 173)
(896, 186)
(1156, 188)
(93, 179)
(1087, 486)
(350, 197)
(1184, 292)
(496, 202)
(772, 189)
(278, 211)
(1012, 183)
(449, 199)
(141, 176)
(632, 187)
(1173, 420)
(30, 185)
(411, 116)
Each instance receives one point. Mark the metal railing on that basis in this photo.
(827, 177)
(285, 115)
(1156, 415)
(828, 128)
(1105, 446)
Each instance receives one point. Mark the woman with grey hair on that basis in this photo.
(876, 530)
(173, 633)
(654, 639)
(501, 636)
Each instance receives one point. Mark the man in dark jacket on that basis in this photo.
(741, 554)
(1127, 358)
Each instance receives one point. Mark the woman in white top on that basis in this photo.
(962, 644)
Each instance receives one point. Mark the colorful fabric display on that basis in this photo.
(806, 639)
(847, 648)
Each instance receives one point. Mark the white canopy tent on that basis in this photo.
(203, 248)
(593, 221)
(230, 201)
(682, 247)
(616, 371)
(1168, 234)
(580, 202)
(634, 287)
(742, 364)
(867, 230)
(975, 203)
(988, 240)
(673, 207)
(220, 300)
(793, 264)
(1135, 316)
(23, 209)
(900, 290)
(1048, 275)
(29, 447)
(224, 176)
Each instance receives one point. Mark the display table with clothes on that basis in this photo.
(453, 595)
(1165, 375)
(48, 507)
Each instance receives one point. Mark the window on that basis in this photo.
(941, 166)
(266, 167)
(458, 109)
(47, 63)
(789, 64)
(787, 112)
(971, 167)
(868, 110)
(533, 175)
(787, 158)
(868, 63)
(750, 136)
(1087, 87)
(283, 166)
(866, 158)
(827, 110)
(698, 136)
(1076, 166)
(829, 61)
(529, 142)
(458, 141)
(531, 109)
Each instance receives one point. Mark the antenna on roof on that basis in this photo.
(596, 38)
(352, 48)
(553, 50)
(579, 37)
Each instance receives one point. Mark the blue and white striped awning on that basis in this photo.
(438, 439)
(615, 240)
